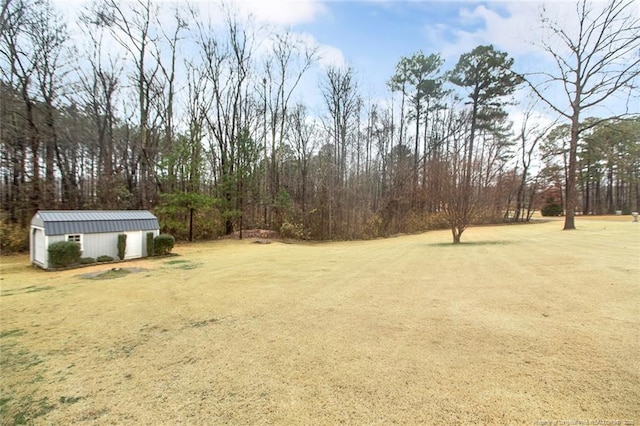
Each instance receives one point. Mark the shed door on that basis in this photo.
(134, 245)
(39, 253)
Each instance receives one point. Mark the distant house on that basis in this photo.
(95, 230)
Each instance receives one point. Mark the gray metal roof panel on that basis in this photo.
(92, 222)
(92, 215)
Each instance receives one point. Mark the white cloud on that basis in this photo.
(282, 12)
(279, 12)
(512, 33)
(514, 27)
(330, 56)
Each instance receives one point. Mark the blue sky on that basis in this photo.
(373, 36)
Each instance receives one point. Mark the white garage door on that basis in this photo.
(134, 245)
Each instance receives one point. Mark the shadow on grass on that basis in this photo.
(24, 410)
(176, 262)
(16, 407)
(24, 290)
(14, 332)
(183, 264)
(473, 243)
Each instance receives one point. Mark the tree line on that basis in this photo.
(201, 121)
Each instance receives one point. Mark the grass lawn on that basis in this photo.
(517, 325)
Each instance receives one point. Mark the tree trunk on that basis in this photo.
(569, 219)
(587, 195)
(457, 233)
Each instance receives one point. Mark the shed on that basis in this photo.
(95, 230)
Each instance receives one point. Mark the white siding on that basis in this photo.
(95, 245)
(134, 245)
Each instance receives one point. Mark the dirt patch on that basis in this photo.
(112, 273)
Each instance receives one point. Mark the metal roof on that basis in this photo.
(60, 222)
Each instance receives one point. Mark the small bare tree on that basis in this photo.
(485, 74)
(459, 199)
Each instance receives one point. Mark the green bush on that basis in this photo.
(64, 253)
(163, 244)
(87, 260)
(551, 209)
(150, 249)
(122, 245)
(104, 258)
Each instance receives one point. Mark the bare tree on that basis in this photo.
(399, 82)
(168, 88)
(555, 159)
(226, 61)
(131, 26)
(459, 199)
(529, 136)
(49, 36)
(303, 133)
(486, 75)
(341, 98)
(286, 63)
(597, 63)
(5, 15)
(99, 84)
(18, 69)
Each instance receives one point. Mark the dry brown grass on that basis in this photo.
(520, 324)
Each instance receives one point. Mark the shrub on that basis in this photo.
(372, 226)
(104, 258)
(13, 238)
(438, 220)
(150, 249)
(163, 244)
(551, 209)
(63, 253)
(87, 260)
(292, 230)
(122, 245)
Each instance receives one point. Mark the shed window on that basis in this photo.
(76, 238)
